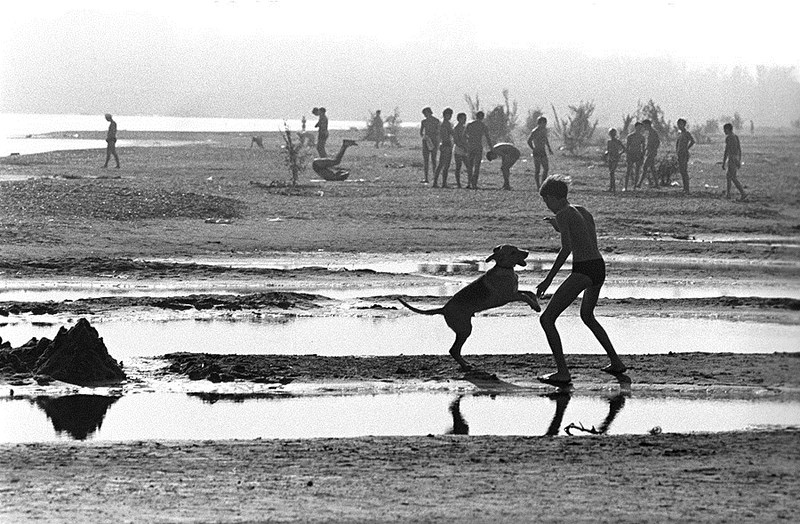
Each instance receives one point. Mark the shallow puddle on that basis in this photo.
(33, 291)
(419, 335)
(183, 417)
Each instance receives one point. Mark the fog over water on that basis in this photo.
(277, 59)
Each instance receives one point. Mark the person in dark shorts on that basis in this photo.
(683, 144)
(733, 157)
(460, 152)
(429, 131)
(650, 153)
(111, 141)
(509, 154)
(445, 148)
(614, 151)
(579, 237)
(635, 155)
(540, 144)
(328, 168)
(476, 131)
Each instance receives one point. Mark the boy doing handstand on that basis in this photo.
(578, 236)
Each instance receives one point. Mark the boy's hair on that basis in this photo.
(612, 132)
(683, 121)
(491, 155)
(637, 124)
(647, 122)
(727, 127)
(426, 110)
(447, 111)
(479, 115)
(461, 115)
(555, 185)
(541, 120)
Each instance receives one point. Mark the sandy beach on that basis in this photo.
(211, 215)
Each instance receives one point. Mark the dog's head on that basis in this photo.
(507, 255)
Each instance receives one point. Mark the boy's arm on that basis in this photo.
(422, 129)
(530, 140)
(690, 143)
(727, 152)
(563, 253)
(547, 141)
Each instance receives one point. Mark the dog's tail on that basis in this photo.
(437, 311)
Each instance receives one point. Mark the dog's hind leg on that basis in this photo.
(463, 330)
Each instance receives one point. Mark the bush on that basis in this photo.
(577, 130)
(293, 154)
(501, 121)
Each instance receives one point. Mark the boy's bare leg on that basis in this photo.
(733, 179)
(565, 295)
(590, 296)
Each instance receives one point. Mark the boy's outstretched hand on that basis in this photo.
(542, 287)
(553, 222)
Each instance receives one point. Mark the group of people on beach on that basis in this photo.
(641, 148)
(442, 143)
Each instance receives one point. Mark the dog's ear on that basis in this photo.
(493, 256)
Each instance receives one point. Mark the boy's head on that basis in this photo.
(555, 186)
(682, 123)
(461, 117)
(427, 111)
(108, 117)
(542, 121)
(479, 115)
(612, 133)
(321, 110)
(377, 112)
(727, 128)
(315, 111)
(647, 123)
(447, 113)
(491, 155)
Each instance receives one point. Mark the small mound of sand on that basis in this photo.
(76, 355)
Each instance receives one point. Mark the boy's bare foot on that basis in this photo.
(611, 370)
(554, 379)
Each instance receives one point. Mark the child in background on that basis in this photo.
(614, 150)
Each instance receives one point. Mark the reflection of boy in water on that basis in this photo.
(429, 131)
(460, 146)
(733, 157)
(111, 140)
(509, 155)
(326, 167)
(578, 237)
(539, 144)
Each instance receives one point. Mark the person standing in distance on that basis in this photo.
(111, 141)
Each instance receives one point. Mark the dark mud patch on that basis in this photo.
(276, 300)
(697, 369)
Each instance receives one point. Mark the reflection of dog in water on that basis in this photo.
(497, 287)
(328, 168)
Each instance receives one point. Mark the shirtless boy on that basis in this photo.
(635, 146)
(614, 150)
(429, 131)
(445, 149)
(509, 154)
(322, 134)
(460, 152)
(683, 144)
(539, 144)
(733, 157)
(475, 132)
(650, 153)
(578, 236)
(111, 140)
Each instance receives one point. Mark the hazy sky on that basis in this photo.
(278, 58)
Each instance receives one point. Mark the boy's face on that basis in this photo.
(550, 202)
